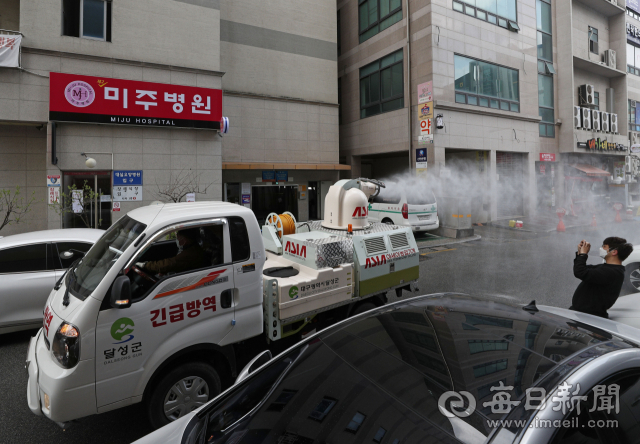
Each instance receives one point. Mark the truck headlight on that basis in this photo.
(66, 345)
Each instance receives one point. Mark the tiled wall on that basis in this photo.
(264, 130)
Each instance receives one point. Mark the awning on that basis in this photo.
(590, 170)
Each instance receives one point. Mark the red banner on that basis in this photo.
(547, 157)
(76, 98)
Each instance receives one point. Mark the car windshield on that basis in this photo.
(84, 278)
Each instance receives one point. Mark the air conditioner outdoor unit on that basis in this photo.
(577, 117)
(633, 137)
(586, 96)
(595, 120)
(586, 118)
(604, 122)
(613, 125)
(610, 57)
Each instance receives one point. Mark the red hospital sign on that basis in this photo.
(547, 157)
(76, 98)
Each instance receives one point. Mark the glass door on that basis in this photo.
(90, 193)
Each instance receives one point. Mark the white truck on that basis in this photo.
(115, 334)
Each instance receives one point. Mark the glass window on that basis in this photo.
(503, 8)
(458, 7)
(23, 259)
(322, 409)
(87, 18)
(543, 16)
(489, 368)
(356, 422)
(593, 40)
(379, 435)
(631, 61)
(240, 246)
(485, 79)
(479, 346)
(374, 19)
(545, 49)
(93, 18)
(382, 85)
(596, 101)
(95, 265)
(637, 58)
(77, 248)
(545, 91)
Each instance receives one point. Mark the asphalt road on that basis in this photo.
(519, 265)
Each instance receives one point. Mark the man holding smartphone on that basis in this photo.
(601, 284)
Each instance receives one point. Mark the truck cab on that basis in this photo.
(149, 316)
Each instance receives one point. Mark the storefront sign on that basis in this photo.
(633, 33)
(547, 157)
(421, 160)
(426, 131)
(76, 98)
(127, 193)
(425, 92)
(190, 197)
(127, 177)
(282, 176)
(268, 176)
(601, 145)
(246, 199)
(634, 4)
(10, 50)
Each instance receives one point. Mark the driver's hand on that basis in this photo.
(140, 264)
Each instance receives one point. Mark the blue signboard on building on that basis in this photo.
(634, 4)
(268, 176)
(130, 177)
(282, 176)
(421, 155)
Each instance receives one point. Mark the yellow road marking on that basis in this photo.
(441, 251)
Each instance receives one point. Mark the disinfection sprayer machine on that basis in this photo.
(316, 266)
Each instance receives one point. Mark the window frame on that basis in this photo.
(106, 26)
(380, 101)
(489, 99)
(631, 111)
(378, 21)
(490, 17)
(104, 22)
(354, 431)
(162, 233)
(633, 69)
(591, 32)
(246, 232)
(548, 71)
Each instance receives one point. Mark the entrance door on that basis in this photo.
(90, 212)
(274, 199)
(510, 184)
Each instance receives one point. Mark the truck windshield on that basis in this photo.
(82, 280)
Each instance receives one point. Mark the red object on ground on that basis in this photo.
(561, 212)
(593, 221)
(618, 207)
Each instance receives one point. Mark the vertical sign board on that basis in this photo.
(245, 194)
(425, 117)
(127, 185)
(53, 189)
(421, 161)
(425, 92)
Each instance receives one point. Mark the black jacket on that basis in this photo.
(600, 286)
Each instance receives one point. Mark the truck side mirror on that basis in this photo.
(121, 293)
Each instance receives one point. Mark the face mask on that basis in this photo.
(603, 253)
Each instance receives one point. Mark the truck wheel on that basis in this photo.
(365, 306)
(632, 278)
(181, 391)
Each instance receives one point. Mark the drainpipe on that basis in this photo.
(409, 85)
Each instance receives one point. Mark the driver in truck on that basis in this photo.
(190, 255)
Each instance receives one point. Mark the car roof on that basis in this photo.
(67, 235)
(171, 213)
(399, 360)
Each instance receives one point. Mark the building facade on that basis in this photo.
(503, 81)
(279, 93)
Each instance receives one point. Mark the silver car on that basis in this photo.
(30, 265)
(445, 369)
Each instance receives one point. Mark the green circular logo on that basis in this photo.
(121, 328)
(293, 292)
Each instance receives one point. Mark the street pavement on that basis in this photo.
(514, 264)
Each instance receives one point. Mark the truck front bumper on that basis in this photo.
(59, 394)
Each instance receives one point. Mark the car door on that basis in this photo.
(26, 284)
(179, 311)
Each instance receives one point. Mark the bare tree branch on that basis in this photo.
(13, 207)
(181, 184)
